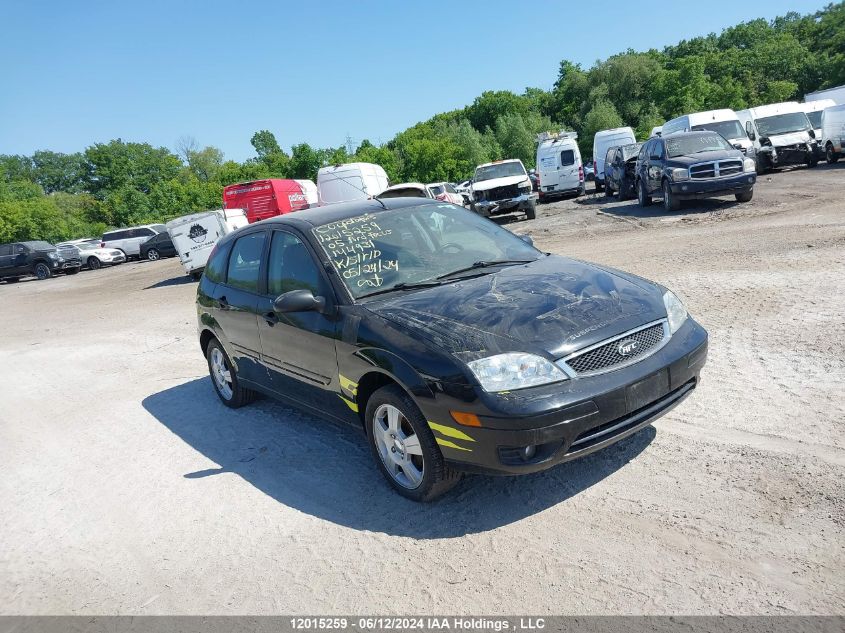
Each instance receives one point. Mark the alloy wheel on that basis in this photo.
(42, 271)
(221, 374)
(153, 255)
(398, 446)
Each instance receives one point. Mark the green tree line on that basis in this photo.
(55, 196)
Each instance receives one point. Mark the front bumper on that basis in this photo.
(572, 418)
(711, 187)
(798, 154)
(509, 205)
(65, 264)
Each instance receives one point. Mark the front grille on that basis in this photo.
(716, 169)
(619, 350)
(502, 193)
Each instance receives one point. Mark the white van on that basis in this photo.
(813, 110)
(559, 167)
(781, 134)
(195, 235)
(352, 181)
(833, 132)
(724, 122)
(129, 240)
(309, 190)
(604, 140)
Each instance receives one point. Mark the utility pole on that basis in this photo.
(350, 144)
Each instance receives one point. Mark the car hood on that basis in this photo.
(551, 307)
(792, 138)
(485, 185)
(704, 157)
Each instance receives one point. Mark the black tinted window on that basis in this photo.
(143, 233)
(215, 268)
(5, 249)
(245, 261)
(567, 157)
(291, 267)
(657, 149)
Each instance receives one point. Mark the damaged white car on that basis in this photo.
(501, 187)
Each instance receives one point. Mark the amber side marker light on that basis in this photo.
(465, 419)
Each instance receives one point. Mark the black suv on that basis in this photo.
(690, 165)
(42, 259)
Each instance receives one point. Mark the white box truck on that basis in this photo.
(195, 235)
(352, 181)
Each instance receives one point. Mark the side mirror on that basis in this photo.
(298, 301)
(750, 131)
(527, 239)
(812, 133)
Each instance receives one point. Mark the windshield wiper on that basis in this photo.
(486, 264)
(404, 286)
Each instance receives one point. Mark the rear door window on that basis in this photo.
(5, 249)
(567, 158)
(245, 262)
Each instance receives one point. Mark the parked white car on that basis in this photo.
(781, 134)
(446, 192)
(406, 190)
(92, 255)
(603, 141)
(129, 240)
(833, 133)
(503, 186)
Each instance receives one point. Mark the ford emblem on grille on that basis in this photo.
(627, 347)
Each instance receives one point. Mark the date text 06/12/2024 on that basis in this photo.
(399, 623)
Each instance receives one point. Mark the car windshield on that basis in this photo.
(437, 189)
(728, 129)
(631, 151)
(376, 251)
(685, 144)
(498, 170)
(783, 124)
(159, 228)
(815, 118)
(87, 246)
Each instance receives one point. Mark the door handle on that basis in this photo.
(271, 318)
(224, 305)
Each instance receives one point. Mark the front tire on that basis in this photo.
(94, 263)
(745, 196)
(42, 271)
(531, 211)
(153, 255)
(642, 195)
(225, 378)
(670, 201)
(404, 446)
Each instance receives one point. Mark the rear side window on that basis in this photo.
(567, 157)
(5, 249)
(245, 262)
(143, 233)
(215, 268)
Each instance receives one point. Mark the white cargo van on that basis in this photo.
(194, 235)
(813, 110)
(781, 134)
(833, 132)
(724, 122)
(559, 167)
(352, 181)
(604, 140)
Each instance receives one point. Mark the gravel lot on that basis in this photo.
(128, 489)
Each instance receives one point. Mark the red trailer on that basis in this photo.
(263, 199)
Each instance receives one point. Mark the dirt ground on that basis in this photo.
(128, 489)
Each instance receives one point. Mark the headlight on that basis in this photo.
(749, 165)
(680, 174)
(525, 185)
(514, 370)
(53, 255)
(675, 311)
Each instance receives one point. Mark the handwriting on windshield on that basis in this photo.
(351, 244)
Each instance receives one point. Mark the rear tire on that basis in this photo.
(42, 271)
(153, 255)
(745, 196)
(94, 263)
(830, 155)
(416, 470)
(642, 196)
(225, 378)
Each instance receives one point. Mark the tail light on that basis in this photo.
(581, 172)
(595, 167)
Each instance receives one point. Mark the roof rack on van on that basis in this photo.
(549, 136)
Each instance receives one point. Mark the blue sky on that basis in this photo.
(77, 73)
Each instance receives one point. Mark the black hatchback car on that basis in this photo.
(156, 247)
(456, 345)
(690, 165)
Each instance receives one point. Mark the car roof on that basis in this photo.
(499, 162)
(686, 133)
(317, 216)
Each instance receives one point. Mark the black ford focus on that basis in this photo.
(455, 344)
